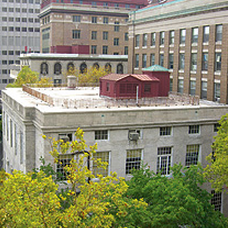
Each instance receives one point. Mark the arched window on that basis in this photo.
(57, 68)
(44, 68)
(96, 65)
(119, 69)
(70, 67)
(83, 68)
(108, 67)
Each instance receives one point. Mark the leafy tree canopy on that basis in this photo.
(90, 76)
(32, 199)
(27, 76)
(217, 170)
(177, 200)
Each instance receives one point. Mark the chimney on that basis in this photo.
(71, 82)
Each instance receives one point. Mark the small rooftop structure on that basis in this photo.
(154, 82)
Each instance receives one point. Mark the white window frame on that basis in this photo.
(102, 138)
(165, 130)
(164, 153)
(104, 172)
(191, 149)
(136, 163)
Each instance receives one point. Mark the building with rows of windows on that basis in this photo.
(20, 33)
(187, 37)
(157, 131)
(101, 25)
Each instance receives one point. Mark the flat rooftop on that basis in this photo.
(59, 99)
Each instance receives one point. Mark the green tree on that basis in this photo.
(177, 200)
(217, 169)
(90, 76)
(32, 199)
(25, 76)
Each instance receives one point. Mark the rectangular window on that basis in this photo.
(216, 200)
(161, 59)
(216, 91)
(4, 18)
(15, 138)
(194, 61)
(182, 36)
(11, 133)
(76, 34)
(94, 35)
(137, 41)
(101, 135)
(104, 157)
(116, 26)
(162, 38)
(105, 20)
(76, 18)
(63, 161)
(21, 147)
(193, 129)
(107, 86)
(144, 60)
(216, 127)
(147, 88)
(126, 38)
(171, 84)
(153, 39)
(192, 89)
(105, 50)
(94, 20)
(93, 49)
(192, 155)
(205, 61)
(116, 41)
(218, 34)
(137, 61)
(171, 37)
(152, 59)
(105, 35)
(218, 60)
(204, 90)
(180, 88)
(133, 160)
(126, 50)
(164, 160)
(181, 61)
(165, 131)
(195, 32)
(94, 4)
(206, 30)
(171, 61)
(144, 40)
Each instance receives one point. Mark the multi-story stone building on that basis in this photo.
(160, 133)
(187, 37)
(102, 25)
(20, 33)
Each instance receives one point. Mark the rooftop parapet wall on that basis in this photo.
(96, 102)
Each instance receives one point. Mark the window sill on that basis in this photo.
(204, 72)
(217, 73)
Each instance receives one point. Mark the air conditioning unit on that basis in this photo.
(133, 136)
(65, 138)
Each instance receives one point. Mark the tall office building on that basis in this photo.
(20, 33)
(86, 27)
(187, 37)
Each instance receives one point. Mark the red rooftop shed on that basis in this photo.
(128, 86)
(154, 82)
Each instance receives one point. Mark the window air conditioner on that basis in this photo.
(65, 138)
(133, 136)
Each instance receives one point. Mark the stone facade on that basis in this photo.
(190, 39)
(117, 63)
(166, 132)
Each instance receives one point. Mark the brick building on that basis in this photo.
(187, 37)
(101, 25)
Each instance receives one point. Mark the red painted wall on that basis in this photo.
(126, 88)
(64, 49)
(164, 77)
